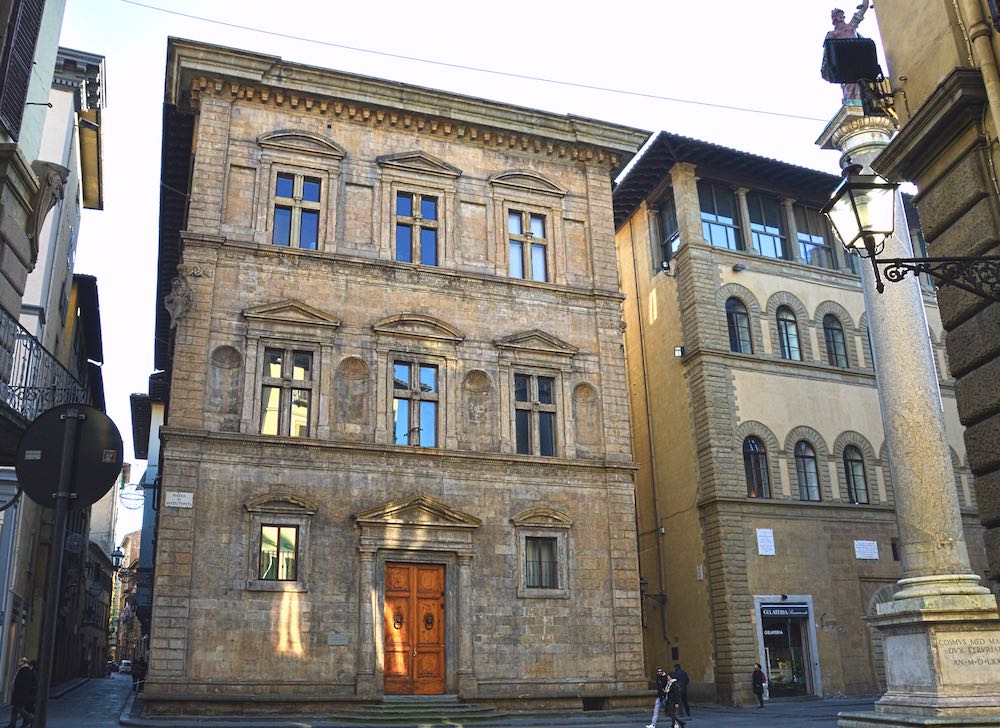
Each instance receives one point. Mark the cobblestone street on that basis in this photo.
(99, 703)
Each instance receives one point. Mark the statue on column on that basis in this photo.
(843, 30)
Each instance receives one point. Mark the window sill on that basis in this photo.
(536, 593)
(296, 587)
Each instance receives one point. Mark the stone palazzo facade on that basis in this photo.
(767, 524)
(397, 454)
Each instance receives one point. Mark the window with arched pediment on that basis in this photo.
(807, 471)
(416, 354)
(755, 468)
(531, 206)
(788, 334)
(856, 476)
(738, 322)
(543, 553)
(278, 536)
(298, 175)
(836, 343)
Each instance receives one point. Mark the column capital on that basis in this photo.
(852, 132)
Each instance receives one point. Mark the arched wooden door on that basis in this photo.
(413, 625)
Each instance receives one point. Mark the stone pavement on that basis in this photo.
(95, 703)
(101, 703)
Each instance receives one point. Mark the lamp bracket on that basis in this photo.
(978, 275)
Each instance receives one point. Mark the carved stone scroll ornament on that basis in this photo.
(178, 301)
(52, 180)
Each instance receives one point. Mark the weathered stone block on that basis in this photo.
(981, 443)
(978, 392)
(958, 190)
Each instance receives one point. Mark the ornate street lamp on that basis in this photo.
(862, 212)
(117, 557)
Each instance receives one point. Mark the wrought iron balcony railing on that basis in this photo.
(31, 379)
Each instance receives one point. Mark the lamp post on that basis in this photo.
(117, 557)
(941, 629)
(862, 211)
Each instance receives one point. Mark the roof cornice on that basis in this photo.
(197, 70)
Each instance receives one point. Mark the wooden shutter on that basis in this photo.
(18, 57)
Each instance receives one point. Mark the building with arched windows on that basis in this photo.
(766, 523)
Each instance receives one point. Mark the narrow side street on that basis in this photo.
(97, 703)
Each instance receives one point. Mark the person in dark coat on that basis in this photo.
(757, 681)
(683, 680)
(22, 697)
(662, 684)
(138, 675)
(674, 702)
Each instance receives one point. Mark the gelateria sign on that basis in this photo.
(785, 611)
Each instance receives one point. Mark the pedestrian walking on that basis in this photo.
(674, 702)
(138, 675)
(757, 680)
(662, 683)
(22, 695)
(682, 680)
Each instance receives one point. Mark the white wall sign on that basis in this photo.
(866, 550)
(177, 499)
(765, 541)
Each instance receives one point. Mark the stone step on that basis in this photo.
(427, 709)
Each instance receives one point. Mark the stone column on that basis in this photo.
(792, 236)
(743, 216)
(367, 609)
(468, 686)
(942, 630)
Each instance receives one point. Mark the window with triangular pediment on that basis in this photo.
(299, 172)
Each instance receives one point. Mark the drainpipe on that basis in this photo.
(979, 34)
(649, 435)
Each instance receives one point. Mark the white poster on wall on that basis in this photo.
(866, 550)
(765, 541)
